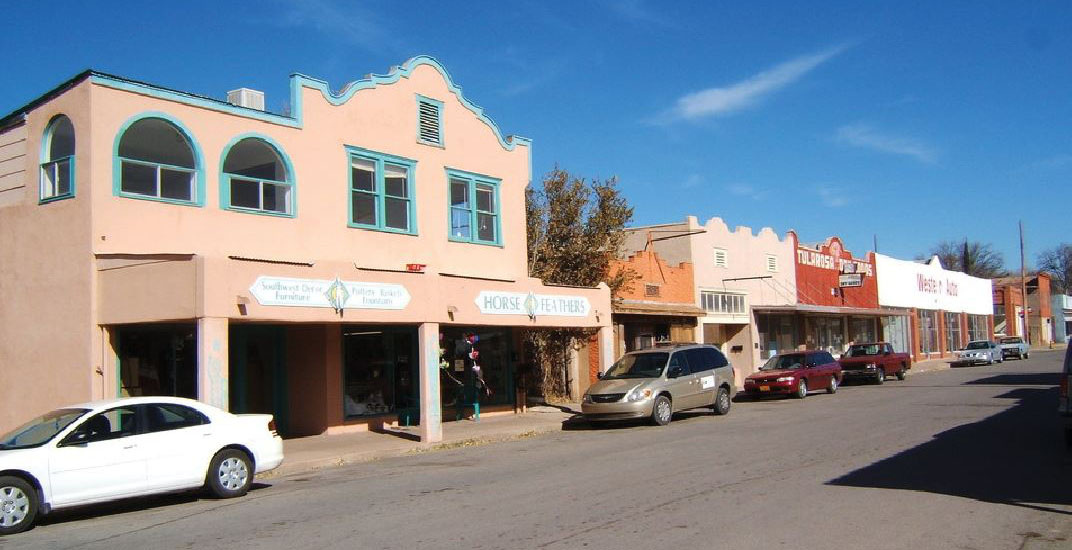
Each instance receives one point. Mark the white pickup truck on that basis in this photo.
(1013, 346)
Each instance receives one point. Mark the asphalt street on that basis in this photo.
(967, 458)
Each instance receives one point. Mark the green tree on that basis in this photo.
(574, 232)
(974, 258)
(1058, 262)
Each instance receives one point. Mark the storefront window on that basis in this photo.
(978, 328)
(1000, 324)
(776, 334)
(158, 360)
(895, 331)
(475, 365)
(825, 333)
(928, 331)
(380, 370)
(862, 329)
(952, 331)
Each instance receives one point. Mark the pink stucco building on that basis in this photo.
(346, 264)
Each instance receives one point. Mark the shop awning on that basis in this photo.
(831, 310)
(635, 307)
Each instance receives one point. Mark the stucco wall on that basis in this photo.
(50, 348)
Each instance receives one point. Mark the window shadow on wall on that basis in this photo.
(1016, 457)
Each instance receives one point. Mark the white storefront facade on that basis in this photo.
(947, 308)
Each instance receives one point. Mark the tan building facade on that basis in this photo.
(359, 261)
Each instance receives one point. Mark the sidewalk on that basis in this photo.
(321, 451)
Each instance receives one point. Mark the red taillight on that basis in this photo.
(271, 425)
(1064, 387)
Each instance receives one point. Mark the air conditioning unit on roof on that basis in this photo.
(245, 97)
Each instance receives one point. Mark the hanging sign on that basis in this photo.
(336, 294)
(518, 303)
(846, 280)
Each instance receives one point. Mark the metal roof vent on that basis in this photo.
(244, 97)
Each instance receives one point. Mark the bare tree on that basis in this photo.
(1058, 262)
(972, 257)
(574, 231)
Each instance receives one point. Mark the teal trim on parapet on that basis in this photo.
(297, 82)
(291, 177)
(190, 99)
(199, 161)
(399, 72)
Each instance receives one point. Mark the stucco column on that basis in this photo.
(606, 347)
(431, 407)
(212, 369)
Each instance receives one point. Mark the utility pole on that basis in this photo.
(1023, 288)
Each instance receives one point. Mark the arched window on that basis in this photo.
(256, 177)
(57, 159)
(156, 160)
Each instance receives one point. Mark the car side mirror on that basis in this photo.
(677, 371)
(599, 375)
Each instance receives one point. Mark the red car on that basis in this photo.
(795, 373)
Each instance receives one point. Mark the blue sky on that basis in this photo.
(912, 122)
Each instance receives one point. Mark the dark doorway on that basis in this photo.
(157, 360)
(258, 374)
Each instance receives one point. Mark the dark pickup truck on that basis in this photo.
(874, 361)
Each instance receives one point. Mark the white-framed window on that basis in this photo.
(772, 263)
(256, 178)
(429, 121)
(156, 160)
(720, 257)
(381, 192)
(723, 302)
(474, 208)
(57, 162)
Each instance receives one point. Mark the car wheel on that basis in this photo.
(722, 401)
(1020, 356)
(901, 373)
(18, 505)
(661, 411)
(1026, 355)
(802, 389)
(230, 473)
(832, 388)
(880, 375)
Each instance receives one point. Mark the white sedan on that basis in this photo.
(137, 446)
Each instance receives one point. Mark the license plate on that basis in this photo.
(764, 388)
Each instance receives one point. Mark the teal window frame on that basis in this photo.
(52, 166)
(473, 182)
(380, 160)
(439, 120)
(290, 179)
(197, 179)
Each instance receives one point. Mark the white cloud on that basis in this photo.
(638, 11)
(859, 135)
(745, 190)
(832, 196)
(748, 92)
(346, 22)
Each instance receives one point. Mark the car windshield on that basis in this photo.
(638, 365)
(784, 362)
(40, 430)
(1010, 340)
(978, 345)
(863, 350)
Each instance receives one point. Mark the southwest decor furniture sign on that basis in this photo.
(337, 294)
(518, 303)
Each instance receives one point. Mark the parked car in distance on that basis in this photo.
(874, 361)
(107, 450)
(1064, 402)
(978, 352)
(795, 373)
(1014, 346)
(655, 383)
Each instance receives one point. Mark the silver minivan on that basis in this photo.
(655, 383)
